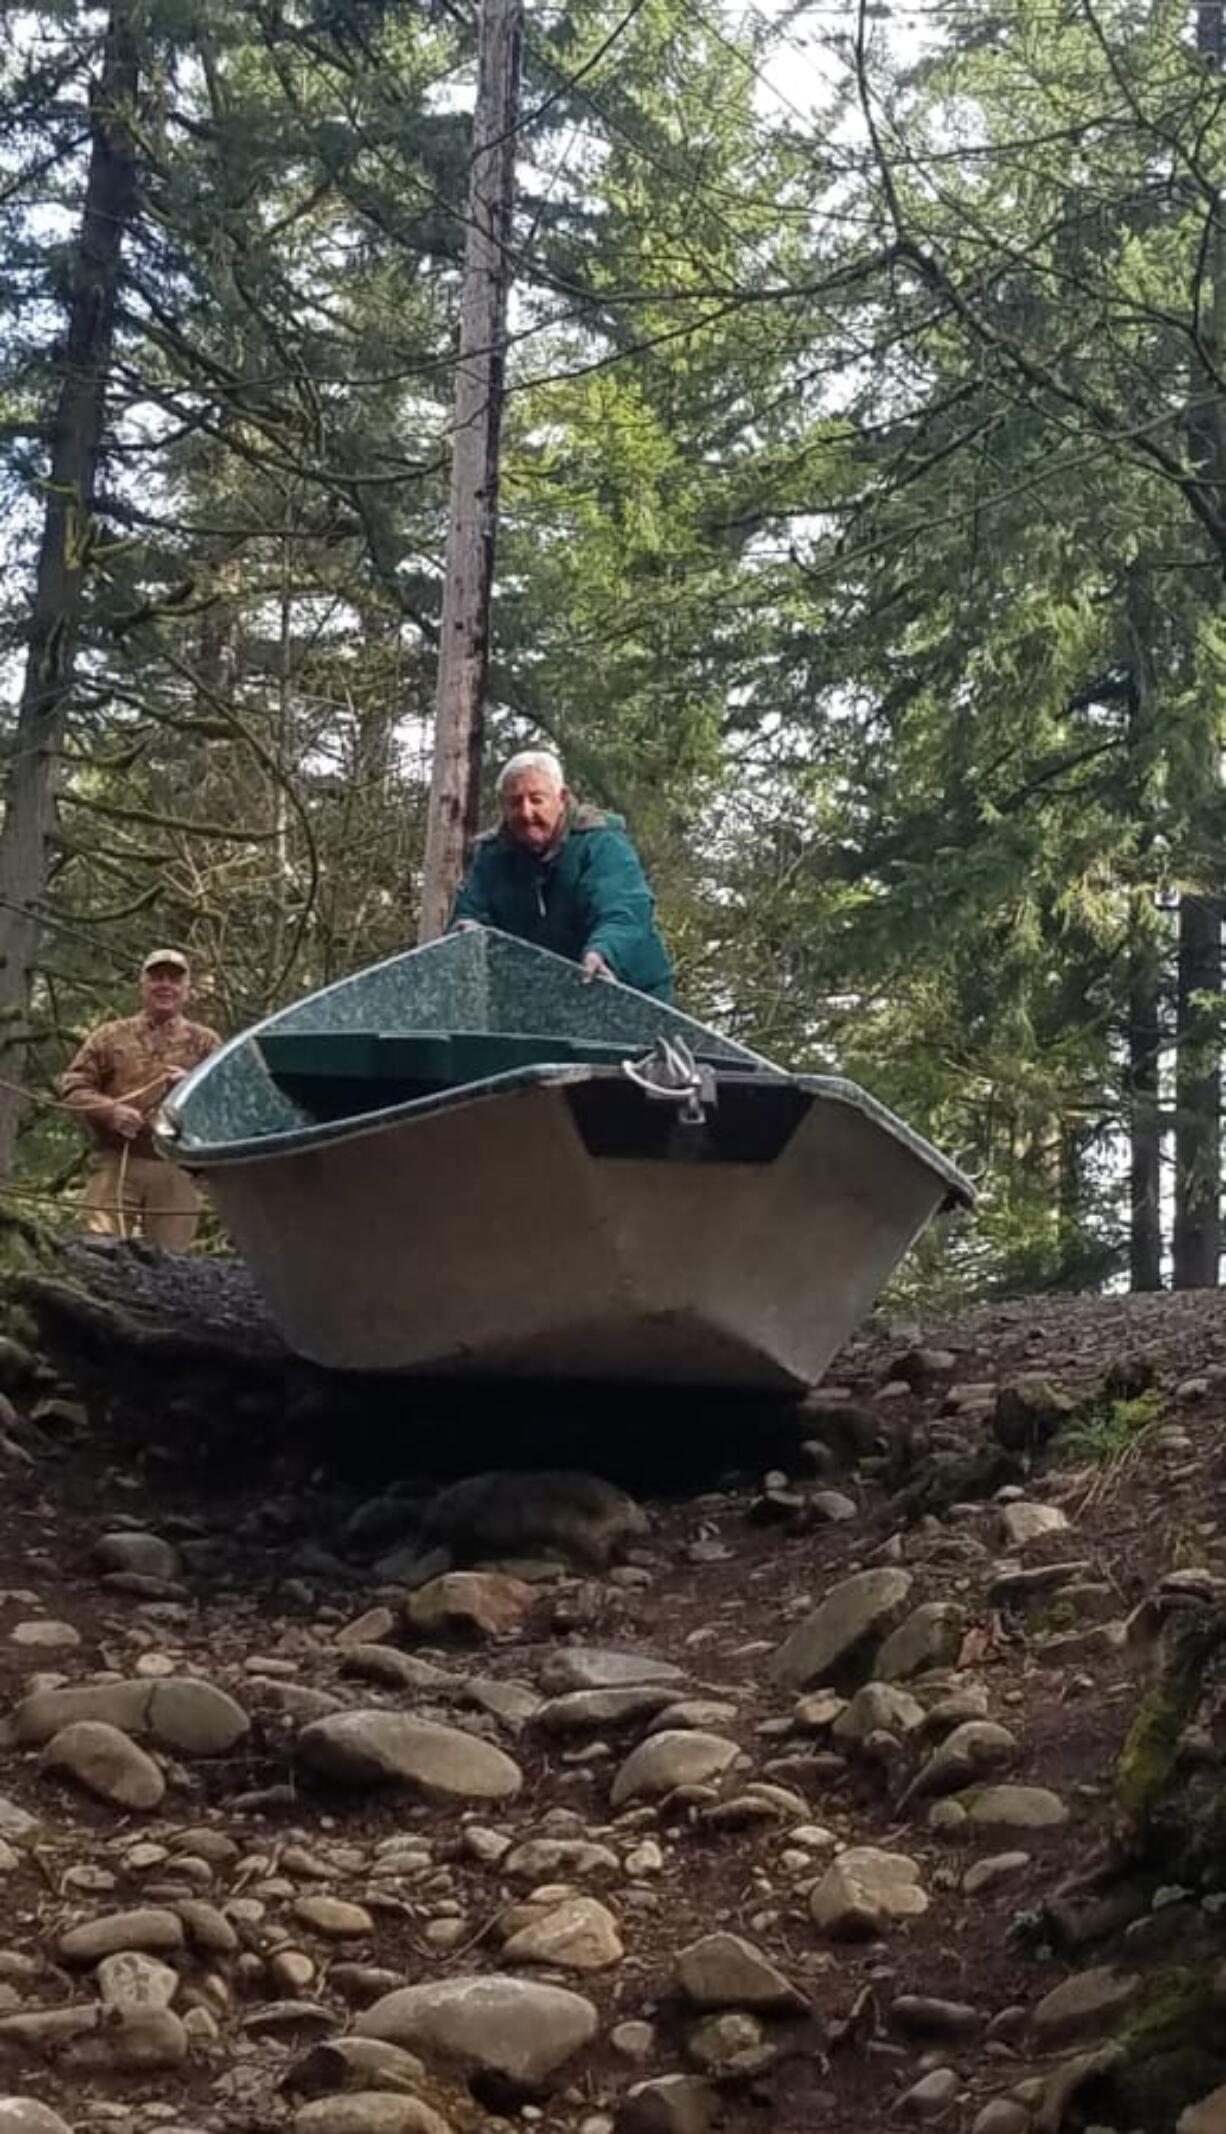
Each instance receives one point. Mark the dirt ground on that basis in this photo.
(193, 1426)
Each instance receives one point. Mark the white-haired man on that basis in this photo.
(566, 877)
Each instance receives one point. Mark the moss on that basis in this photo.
(1147, 1759)
(1172, 2051)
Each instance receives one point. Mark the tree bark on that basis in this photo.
(1144, 1045)
(1198, 1096)
(64, 553)
(469, 567)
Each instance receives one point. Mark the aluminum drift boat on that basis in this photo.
(467, 1160)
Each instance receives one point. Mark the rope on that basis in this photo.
(128, 1096)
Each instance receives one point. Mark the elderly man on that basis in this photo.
(565, 877)
(116, 1082)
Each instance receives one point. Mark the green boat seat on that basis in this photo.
(331, 1073)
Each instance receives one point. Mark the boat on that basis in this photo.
(468, 1159)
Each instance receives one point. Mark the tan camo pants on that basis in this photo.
(159, 1201)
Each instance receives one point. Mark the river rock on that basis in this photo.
(483, 1604)
(107, 1763)
(16, 1822)
(513, 2027)
(545, 1859)
(24, 2115)
(1017, 1808)
(1207, 2116)
(666, 1761)
(976, 1746)
(180, 1713)
(43, 1634)
(601, 1667)
(518, 1514)
(877, 1707)
(584, 1711)
(129, 1979)
(369, 2112)
(579, 1934)
(1024, 1522)
(370, 1748)
(398, 1670)
(333, 1917)
(354, 2064)
(929, 1637)
(725, 1971)
(667, 2104)
(142, 2041)
(150, 1930)
(865, 1890)
(1085, 2006)
(146, 1554)
(834, 1640)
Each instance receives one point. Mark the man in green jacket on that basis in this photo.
(565, 877)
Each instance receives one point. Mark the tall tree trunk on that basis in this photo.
(1198, 1067)
(63, 561)
(469, 568)
(1144, 1044)
(1198, 1095)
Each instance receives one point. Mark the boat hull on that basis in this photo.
(485, 1237)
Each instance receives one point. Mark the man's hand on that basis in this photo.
(173, 1075)
(126, 1120)
(467, 926)
(594, 966)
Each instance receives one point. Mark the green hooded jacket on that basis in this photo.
(588, 891)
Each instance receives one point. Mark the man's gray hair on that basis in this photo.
(532, 759)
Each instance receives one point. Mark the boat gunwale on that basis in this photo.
(296, 1140)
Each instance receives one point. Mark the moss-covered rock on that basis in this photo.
(1171, 2049)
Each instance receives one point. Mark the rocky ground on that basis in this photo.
(783, 1792)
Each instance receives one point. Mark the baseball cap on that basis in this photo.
(173, 956)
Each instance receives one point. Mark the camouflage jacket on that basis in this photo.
(125, 1063)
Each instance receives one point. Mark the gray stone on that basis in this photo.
(1004, 2115)
(142, 2041)
(725, 1971)
(577, 1934)
(729, 2044)
(919, 2015)
(179, 1713)
(1207, 2116)
(932, 2096)
(599, 1667)
(287, 2019)
(513, 2027)
(586, 1711)
(146, 1554)
(16, 1822)
(481, 1604)
(399, 1670)
(877, 1706)
(129, 1979)
(1084, 2006)
(333, 1917)
(42, 1634)
(703, 1714)
(832, 1640)
(998, 1867)
(929, 1637)
(24, 2115)
(544, 1859)
(1022, 1523)
(666, 1761)
(518, 1514)
(354, 2064)
(668, 2104)
(369, 1748)
(369, 2112)
(1017, 1808)
(865, 1890)
(978, 1745)
(207, 1928)
(107, 1763)
(149, 1929)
